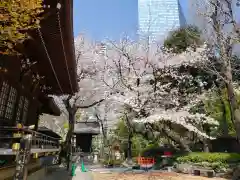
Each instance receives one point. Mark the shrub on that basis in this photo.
(182, 38)
(213, 160)
(197, 157)
(135, 159)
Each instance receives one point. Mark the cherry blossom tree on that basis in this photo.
(92, 89)
(159, 85)
(56, 124)
(222, 33)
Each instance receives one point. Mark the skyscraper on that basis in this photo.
(157, 17)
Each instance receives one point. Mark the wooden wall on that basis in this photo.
(17, 101)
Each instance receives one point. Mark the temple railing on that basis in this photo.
(10, 140)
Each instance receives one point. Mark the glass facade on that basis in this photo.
(158, 17)
(196, 9)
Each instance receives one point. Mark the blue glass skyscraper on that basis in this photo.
(157, 17)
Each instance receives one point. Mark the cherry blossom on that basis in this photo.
(159, 84)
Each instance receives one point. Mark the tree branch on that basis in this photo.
(90, 105)
(66, 102)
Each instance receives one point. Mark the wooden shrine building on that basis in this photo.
(46, 66)
(84, 132)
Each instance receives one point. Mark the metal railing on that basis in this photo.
(12, 135)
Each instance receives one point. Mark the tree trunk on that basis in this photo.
(224, 118)
(104, 140)
(234, 109)
(130, 135)
(225, 60)
(129, 150)
(206, 145)
(68, 141)
(235, 112)
(104, 133)
(206, 142)
(223, 107)
(176, 138)
(166, 130)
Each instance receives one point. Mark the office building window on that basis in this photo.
(157, 17)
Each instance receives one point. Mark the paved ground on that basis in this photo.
(59, 174)
(149, 176)
(97, 173)
(62, 174)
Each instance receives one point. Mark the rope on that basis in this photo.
(49, 59)
(64, 53)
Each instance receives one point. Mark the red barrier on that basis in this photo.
(146, 161)
(167, 153)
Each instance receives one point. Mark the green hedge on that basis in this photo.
(213, 160)
(197, 157)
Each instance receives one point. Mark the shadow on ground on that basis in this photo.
(63, 174)
(58, 174)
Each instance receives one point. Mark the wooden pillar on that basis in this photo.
(37, 121)
(22, 158)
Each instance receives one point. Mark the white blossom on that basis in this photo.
(133, 63)
(125, 74)
(182, 118)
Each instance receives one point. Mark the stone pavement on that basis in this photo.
(83, 176)
(62, 174)
(59, 174)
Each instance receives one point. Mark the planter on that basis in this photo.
(184, 168)
(204, 172)
(236, 173)
(196, 172)
(109, 166)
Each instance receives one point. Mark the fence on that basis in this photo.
(146, 162)
(10, 139)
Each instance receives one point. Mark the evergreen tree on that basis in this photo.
(182, 38)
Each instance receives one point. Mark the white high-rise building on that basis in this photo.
(157, 17)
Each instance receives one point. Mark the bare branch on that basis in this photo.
(90, 105)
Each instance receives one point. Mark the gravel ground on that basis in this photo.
(147, 176)
(61, 174)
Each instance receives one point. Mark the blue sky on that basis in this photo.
(100, 19)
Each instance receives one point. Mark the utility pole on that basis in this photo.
(22, 157)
